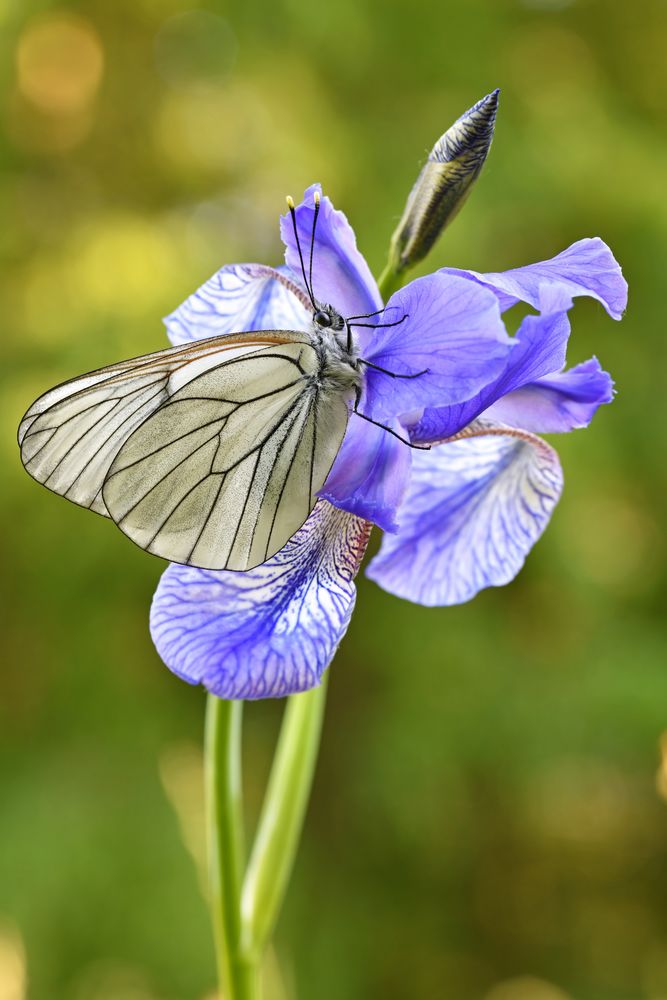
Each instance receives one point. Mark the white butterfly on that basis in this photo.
(209, 454)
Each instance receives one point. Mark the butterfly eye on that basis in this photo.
(322, 318)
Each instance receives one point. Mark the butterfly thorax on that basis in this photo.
(339, 368)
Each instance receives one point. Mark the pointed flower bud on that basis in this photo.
(443, 184)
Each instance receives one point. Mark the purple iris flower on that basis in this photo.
(457, 517)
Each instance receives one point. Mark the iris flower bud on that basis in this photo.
(443, 185)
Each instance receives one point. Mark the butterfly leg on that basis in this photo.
(390, 430)
(385, 371)
(369, 326)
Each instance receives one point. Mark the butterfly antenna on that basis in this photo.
(290, 205)
(316, 198)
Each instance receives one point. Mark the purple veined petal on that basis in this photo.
(341, 276)
(474, 509)
(240, 298)
(557, 403)
(452, 342)
(370, 474)
(271, 631)
(588, 267)
(538, 350)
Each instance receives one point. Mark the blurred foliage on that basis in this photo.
(486, 821)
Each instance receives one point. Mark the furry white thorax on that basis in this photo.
(339, 367)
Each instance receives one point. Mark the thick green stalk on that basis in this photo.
(281, 819)
(224, 800)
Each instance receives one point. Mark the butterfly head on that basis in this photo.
(325, 317)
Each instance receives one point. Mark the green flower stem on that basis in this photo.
(282, 818)
(224, 799)
(389, 281)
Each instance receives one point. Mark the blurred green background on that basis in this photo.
(488, 820)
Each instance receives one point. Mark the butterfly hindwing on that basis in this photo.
(222, 475)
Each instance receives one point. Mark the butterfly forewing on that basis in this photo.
(209, 454)
(71, 447)
(70, 436)
(224, 473)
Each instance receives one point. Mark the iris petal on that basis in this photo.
(271, 631)
(451, 343)
(474, 509)
(238, 298)
(341, 275)
(588, 267)
(539, 349)
(370, 474)
(557, 403)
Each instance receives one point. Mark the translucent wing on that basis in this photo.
(209, 455)
(227, 471)
(70, 436)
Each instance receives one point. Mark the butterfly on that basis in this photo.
(209, 454)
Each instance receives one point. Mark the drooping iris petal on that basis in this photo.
(474, 508)
(370, 474)
(588, 267)
(451, 344)
(557, 403)
(538, 350)
(273, 630)
(238, 298)
(341, 276)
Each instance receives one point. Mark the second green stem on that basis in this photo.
(245, 910)
(237, 976)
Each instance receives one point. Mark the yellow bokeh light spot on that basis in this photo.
(661, 776)
(114, 276)
(59, 61)
(7, 8)
(124, 266)
(181, 772)
(110, 980)
(47, 307)
(526, 988)
(214, 128)
(13, 977)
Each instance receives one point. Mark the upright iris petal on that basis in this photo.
(341, 276)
